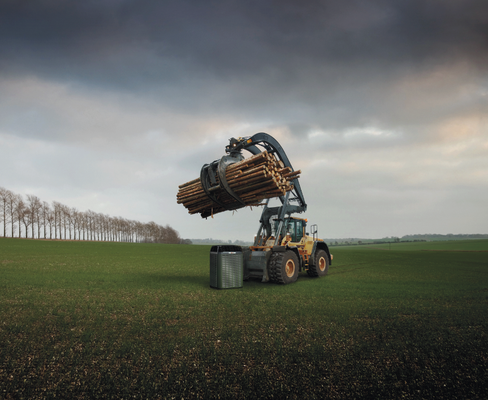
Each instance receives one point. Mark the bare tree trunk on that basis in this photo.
(45, 211)
(66, 218)
(55, 213)
(3, 207)
(74, 221)
(6, 197)
(50, 219)
(20, 213)
(13, 199)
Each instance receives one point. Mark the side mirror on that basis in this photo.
(314, 229)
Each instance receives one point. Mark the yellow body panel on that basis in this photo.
(304, 246)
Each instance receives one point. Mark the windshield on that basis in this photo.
(293, 226)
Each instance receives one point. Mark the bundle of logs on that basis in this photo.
(254, 179)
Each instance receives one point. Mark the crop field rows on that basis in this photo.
(118, 320)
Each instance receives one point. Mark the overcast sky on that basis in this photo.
(109, 105)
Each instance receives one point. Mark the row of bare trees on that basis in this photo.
(36, 219)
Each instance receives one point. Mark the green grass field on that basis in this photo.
(115, 320)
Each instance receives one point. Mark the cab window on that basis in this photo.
(295, 229)
(291, 230)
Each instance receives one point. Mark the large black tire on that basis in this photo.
(283, 267)
(274, 259)
(320, 266)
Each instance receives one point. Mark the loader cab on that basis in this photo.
(295, 227)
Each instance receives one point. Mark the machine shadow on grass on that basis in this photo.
(166, 280)
(203, 282)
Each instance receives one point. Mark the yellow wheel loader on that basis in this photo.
(282, 246)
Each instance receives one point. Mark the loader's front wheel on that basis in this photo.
(321, 265)
(284, 267)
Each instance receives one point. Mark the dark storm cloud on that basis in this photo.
(322, 64)
(318, 65)
(143, 43)
(308, 65)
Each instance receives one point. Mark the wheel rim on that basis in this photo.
(322, 264)
(290, 268)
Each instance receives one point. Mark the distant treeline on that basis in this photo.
(450, 236)
(36, 219)
(407, 238)
(218, 241)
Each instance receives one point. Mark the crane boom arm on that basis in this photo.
(271, 145)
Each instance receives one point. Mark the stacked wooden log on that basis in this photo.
(253, 180)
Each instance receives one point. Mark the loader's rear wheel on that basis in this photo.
(283, 267)
(321, 265)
